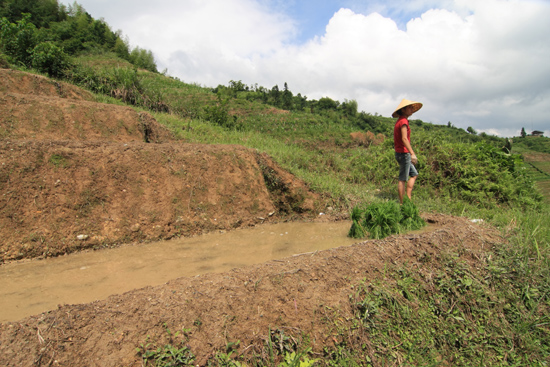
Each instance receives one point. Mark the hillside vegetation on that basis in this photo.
(491, 309)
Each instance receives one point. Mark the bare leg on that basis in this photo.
(401, 189)
(410, 185)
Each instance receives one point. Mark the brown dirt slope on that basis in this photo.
(36, 108)
(54, 193)
(35, 85)
(301, 295)
(78, 174)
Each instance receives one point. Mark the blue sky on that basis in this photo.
(312, 16)
(472, 63)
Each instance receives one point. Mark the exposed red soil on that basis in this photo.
(74, 169)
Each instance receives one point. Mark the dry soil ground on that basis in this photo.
(76, 174)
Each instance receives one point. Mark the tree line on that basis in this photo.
(42, 34)
(286, 100)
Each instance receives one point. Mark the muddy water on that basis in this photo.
(29, 288)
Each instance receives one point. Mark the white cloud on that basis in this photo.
(475, 63)
(228, 28)
(487, 69)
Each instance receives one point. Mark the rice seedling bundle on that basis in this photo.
(380, 220)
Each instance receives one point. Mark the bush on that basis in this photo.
(4, 63)
(48, 58)
(219, 115)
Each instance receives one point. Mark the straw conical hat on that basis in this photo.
(405, 103)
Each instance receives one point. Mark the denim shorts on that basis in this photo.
(406, 168)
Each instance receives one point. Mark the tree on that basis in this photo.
(300, 102)
(368, 122)
(287, 98)
(326, 103)
(143, 59)
(122, 48)
(471, 130)
(349, 108)
(523, 133)
(18, 40)
(43, 12)
(275, 95)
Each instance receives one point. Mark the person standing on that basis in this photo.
(404, 153)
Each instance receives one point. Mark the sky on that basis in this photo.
(478, 63)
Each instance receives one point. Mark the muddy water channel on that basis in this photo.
(31, 287)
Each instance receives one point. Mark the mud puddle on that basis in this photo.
(32, 287)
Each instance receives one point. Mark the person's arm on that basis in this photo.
(407, 144)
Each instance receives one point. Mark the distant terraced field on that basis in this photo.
(540, 168)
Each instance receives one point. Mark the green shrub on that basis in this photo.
(4, 63)
(219, 115)
(143, 59)
(48, 58)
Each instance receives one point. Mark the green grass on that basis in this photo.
(59, 161)
(538, 166)
(539, 144)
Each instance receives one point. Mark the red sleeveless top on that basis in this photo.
(397, 137)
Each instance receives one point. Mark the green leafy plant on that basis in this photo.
(284, 351)
(280, 342)
(219, 115)
(225, 359)
(49, 58)
(18, 39)
(58, 160)
(172, 354)
(293, 359)
(167, 356)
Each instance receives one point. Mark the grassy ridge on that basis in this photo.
(496, 315)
